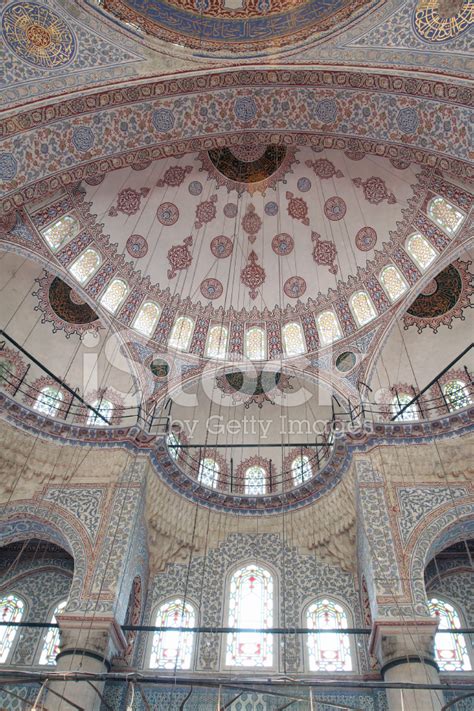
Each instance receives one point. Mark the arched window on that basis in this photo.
(169, 649)
(293, 339)
(362, 307)
(147, 318)
(12, 608)
(445, 215)
(328, 651)
(301, 469)
(208, 474)
(49, 400)
(255, 343)
(60, 231)
(450, 649)
(181, 334)
(173, 442)
(114, 295)
(216, 346)
(456, 394)
(105, 408)
(401, 399)
(250, 605)
(51, 640)
(255, 481)
(85, 265)
(421, 251)
(393, 282)
(328, 327)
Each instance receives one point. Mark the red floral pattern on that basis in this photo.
(205, 212)
(297, 208)
(324, 169)
(335, 208)
(375, 190)
(222, 246)
(128, 201)
(324, 252)
(282, 244)
(174, 176)
(252, 275)
(294, 287)
(180, 257)
(251, 223)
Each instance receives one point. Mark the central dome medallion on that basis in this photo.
(237, 26)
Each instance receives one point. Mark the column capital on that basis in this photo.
(403, 641)
(99, 637)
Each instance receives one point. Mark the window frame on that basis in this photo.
(190, 338)
(384, 287)
(135, 318)
(465, 388)
(462, 619)
(195, 635)
(421, 267)
(93, 273)
(223, 343)
(60, 400)
(122, 300)
(303, 339)
(322, 340)
(51, 224)
(42, 641)
(248, 329)
(352, 642)
(24, 616)
(275, 616)
(449, 233)
(354, 314)
(216, 473)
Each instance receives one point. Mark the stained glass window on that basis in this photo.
(51, 640)
(362, 307)
(445, 215)
(411, 413)
(420, 250)
(456, 394)
(114, 295)
(85, 265)
(328, 651)
(59, 232)
(12, 608)
(147, 318)
(105, 408)
(450, 649)
(328, 327)
(250, 606)
(49, 400)
(181, 334)
(395, 285)
(170, 649)
(255, 343)
(293, 339)
(172, 440)
(217, 342)
(208, 472)
(255, 481)
(301, 469)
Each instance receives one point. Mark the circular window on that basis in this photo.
(345, 361)
(159, 367)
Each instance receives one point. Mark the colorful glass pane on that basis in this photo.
(456, 394)
(250, 606)
(255, 343)
(445, 215)
(61, 231)
(48, 401)
(172, 440)
(170, 649)
(105, 408)
(12, 608)
(293, 339)
(395, 285)
(301, 469)
(85, 265)
(450, 649)
(51, 640)
(328, 651)
(328, 327)
(411, 413)
(421, 250)
(147, 318)
(181, 334)
(255, 481)
(114, 295)
(208, 472)
(362, 307)
(217, 342)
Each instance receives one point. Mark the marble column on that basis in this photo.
(87, 645)
(405, 651)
